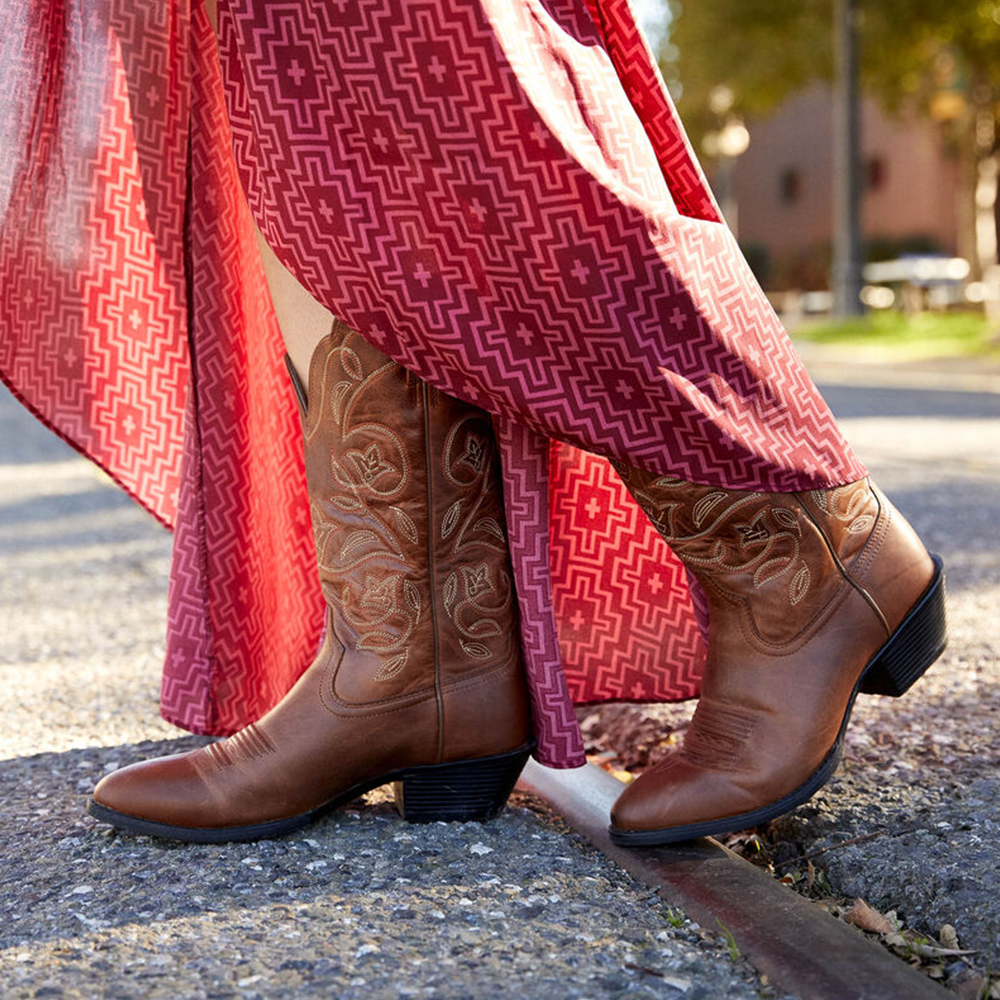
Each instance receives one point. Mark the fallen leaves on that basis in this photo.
(947, 936)
(905, 942)
(920, 950)
(869, 919)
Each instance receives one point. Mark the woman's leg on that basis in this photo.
(504, 229)
(644, 336)
(419, 680)
(812, 597)
(303, 320)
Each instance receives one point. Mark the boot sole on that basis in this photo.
(918, 641)
(458, 791)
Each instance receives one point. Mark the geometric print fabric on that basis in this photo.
(499, 195)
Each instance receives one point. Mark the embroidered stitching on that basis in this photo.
(475, 598)
(718, 735)
(368, 465)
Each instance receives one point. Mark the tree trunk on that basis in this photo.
(846, 272)
(968, 175)
(985, 198)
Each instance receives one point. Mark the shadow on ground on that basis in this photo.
(360, 904)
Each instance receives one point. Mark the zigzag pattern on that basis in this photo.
(526, 502)
(89, 302)
(643, 83)
(628, 629)
(245, 609)
(196, 422)
(499, 195)
(492, 233)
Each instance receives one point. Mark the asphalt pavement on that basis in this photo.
(360, 904)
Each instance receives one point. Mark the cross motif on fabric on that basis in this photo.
(437, 69)
(539, 134)
(422, 275)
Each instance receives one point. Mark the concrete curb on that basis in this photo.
(799, 946)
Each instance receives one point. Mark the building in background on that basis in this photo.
(782, 186)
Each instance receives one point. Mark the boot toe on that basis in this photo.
(165, 790)
(648, 802)
(675, 794)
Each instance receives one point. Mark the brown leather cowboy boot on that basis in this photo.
(419, 680)
(812, 597)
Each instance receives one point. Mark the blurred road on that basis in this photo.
(921, 774)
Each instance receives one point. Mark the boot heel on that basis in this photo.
(461, 791)
(914, 646)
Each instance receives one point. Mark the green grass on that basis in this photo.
(890, 335)
(729, 941)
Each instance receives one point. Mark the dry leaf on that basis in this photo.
(933, 951)
(869, 919)
(948, 937)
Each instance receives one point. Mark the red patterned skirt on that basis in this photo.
(499, 195)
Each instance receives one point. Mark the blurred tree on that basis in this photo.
(940, 59)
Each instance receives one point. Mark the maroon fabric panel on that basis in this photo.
(498, 194)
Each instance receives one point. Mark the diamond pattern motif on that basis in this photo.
(499, 195)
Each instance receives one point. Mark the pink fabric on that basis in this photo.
(498, 194)
(630, 626)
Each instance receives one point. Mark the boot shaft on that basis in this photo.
(407, 512)
(779, 561)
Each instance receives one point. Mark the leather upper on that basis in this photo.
(420, 662)
(802, 590)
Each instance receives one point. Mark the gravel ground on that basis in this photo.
(360, 904)
(916, 801)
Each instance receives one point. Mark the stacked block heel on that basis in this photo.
(914, 646)
(461, 791)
